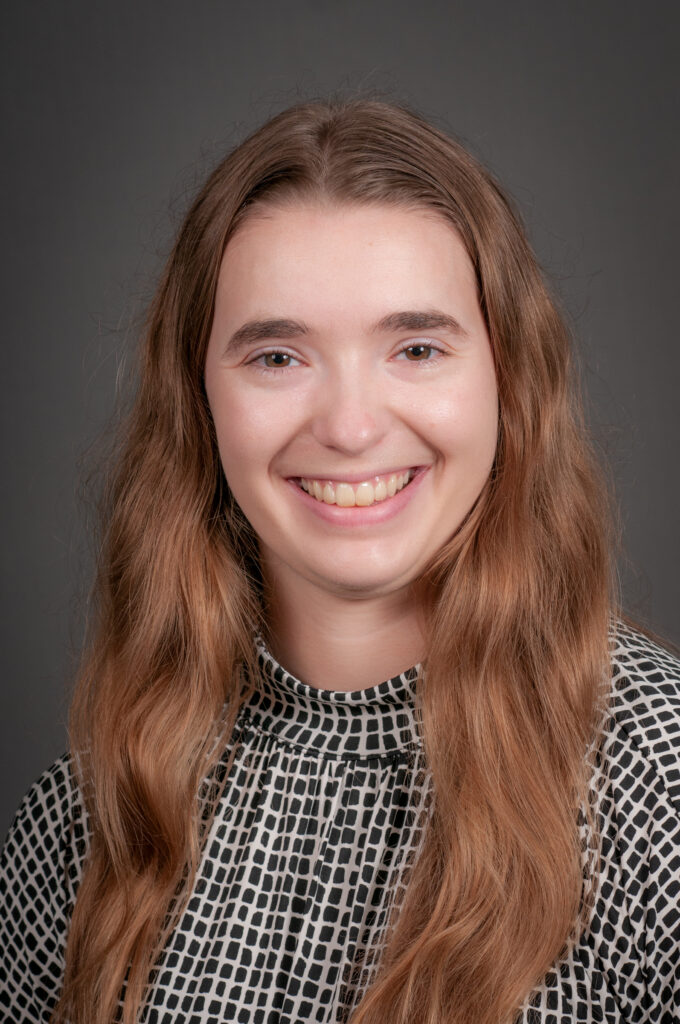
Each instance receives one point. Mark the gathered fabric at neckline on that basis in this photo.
(373, 722)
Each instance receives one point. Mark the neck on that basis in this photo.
(337, 643)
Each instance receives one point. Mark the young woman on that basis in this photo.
(359, 734)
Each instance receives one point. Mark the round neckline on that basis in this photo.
(375, 721)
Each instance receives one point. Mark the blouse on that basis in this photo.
(324, 809)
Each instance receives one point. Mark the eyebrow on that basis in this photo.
(261, 330)
(281, 329)
(419, 320)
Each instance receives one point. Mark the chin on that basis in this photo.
(353, 584)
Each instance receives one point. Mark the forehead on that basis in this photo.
(327, 257)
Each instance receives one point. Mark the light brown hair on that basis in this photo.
(517, 655)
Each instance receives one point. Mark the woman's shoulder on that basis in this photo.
(640, 663)
(626, 964)
(49, 832)
(644, 722)
(40, 869)
(53, 799)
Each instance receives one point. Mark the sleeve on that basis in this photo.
(40, 867)
(637, 930)
(624, 968)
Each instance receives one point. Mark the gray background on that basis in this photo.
(113, 112)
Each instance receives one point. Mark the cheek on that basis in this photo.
(234, 429)
(464, 423)
(250, 429)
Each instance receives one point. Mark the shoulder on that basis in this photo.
(637, 787)
(48, 838)
(630, 947)
(644, 714)
(52, 800)
(642, 668)
(40, 870)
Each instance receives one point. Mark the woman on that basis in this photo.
(359, 734)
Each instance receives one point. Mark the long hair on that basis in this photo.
(517, 655)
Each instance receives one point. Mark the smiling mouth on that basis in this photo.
(361, 494)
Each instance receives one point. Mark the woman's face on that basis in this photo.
(348, 357)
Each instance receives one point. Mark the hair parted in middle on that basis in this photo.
(517, 651)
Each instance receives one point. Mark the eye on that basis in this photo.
(420, 352)
(274, 360)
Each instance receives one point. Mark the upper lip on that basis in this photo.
(353, 478)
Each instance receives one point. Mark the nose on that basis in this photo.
(351, 415)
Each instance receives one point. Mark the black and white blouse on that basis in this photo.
(326, 799)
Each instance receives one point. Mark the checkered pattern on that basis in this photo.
(326, 800)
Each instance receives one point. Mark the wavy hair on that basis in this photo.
(517, 656)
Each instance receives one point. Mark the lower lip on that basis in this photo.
(362, 515)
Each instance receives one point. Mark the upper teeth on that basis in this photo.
(365, 493)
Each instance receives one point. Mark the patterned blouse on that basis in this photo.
(326, 799)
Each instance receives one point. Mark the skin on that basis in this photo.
(350, 399)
